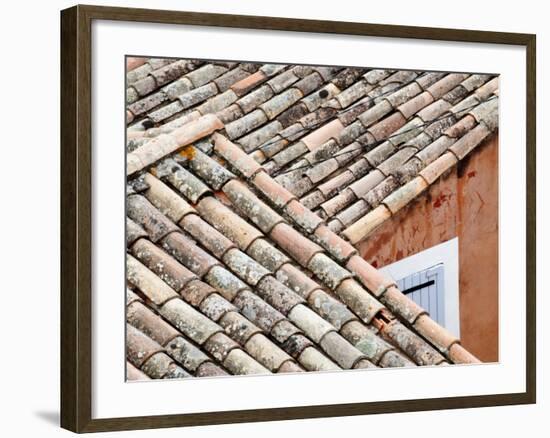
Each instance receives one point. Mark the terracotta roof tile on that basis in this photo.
(143, 213)
(289, 367)
(256, 309)
(401, 304)
(295, 279)
(394, 359)
(267, 255)
(327, 270)
(414, 105)
(139, 347)
(365, 340)
(302, 216)
(436, 334)
(208, 236)
(283, 330)
(434, 170)
(161, 146)
(190, 356)
(412, 344)
(277, 294)
(309, 83)
(299, 247)
(209, 369)
(376, 75)
(133, 373)
(381, 191)
(446, 84)
(458, 129)
(133, 232)
(266, 352)
(251, 101)
(167, 268)
(238, 327)
(363, 227)
(251, 141)
(434, 110)
(405, 194)
(249, 82)
(245, 124)
(215, 306)
(431, 152)
(387, 126)
(226, 283)
(235, 156)
(229, 114)
(219, 345)
(465, 144)
(196, 291)
(272, 69)
(487, 113)
(427, 79)
(258, 212)
(228, 223)
(280, 102)
(331, 309)
(187, 252)
(160, 366)
(487, 89)
(150, 324)
(225, 81)
(197, 95)
(282, 81)
(312, 324)
(189, 321)
(342, 351)
(459, 355)
(165, 199)
(334, 244)
(238, 362)
(152, 286)
(359, 300)
(244, 267)
(321, 135)
(313, 360)
(184, 181)
(375, 113)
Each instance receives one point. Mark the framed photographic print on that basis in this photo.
(292, 218)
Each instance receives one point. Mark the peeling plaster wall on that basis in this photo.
(463, 203)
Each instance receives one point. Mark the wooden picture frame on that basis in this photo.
(76, 217)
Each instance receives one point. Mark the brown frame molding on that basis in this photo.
(76, 173)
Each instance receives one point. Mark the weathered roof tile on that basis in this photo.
(189, 321)
(142, 212)
(146, 281)
(189, 253)
(167, 268)
(267, 255)
(208, 236)
(277, 294)
(340, 350)
(257, 310)
(258, 212)
(228, 223)
(244, 266)
(295, 244)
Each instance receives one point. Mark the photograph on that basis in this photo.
(290, 218)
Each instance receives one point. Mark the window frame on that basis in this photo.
(446, 253)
